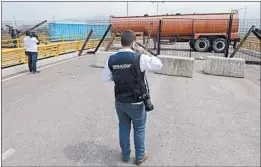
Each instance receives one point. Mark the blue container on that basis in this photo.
(70, 30)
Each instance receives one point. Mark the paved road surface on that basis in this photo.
(65, 116)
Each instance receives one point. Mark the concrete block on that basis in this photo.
(102, 58)
(222, 66)
(177, 66)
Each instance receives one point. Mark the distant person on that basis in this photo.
(127, 69)
(14, 35)
(31, 51)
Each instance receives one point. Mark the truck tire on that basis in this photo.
(202, 45)
(219, 45)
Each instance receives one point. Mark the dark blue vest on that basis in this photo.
(127, 76)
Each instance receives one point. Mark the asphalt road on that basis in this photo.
(65, 116)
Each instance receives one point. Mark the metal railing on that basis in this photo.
(16, 56)
(44, 39)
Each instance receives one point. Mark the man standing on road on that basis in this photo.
(31, 51)
(126, 69)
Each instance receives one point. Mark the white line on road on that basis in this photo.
(40, 69)
(7, 153)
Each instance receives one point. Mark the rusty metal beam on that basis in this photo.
(30, 29)
(110, 42)
(150, 52)
(85, 42)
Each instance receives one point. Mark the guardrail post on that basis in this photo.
(77, 44)
(17, 42)
(23, 58)
(251, 45)
(57, 50)
(45, 52)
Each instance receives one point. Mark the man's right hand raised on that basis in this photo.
(137, 48)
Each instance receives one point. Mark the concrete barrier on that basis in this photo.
(177, 66)
(222, 66)
(102, 58)
(24, 67)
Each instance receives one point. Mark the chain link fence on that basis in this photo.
(185, 37)
(197, 38)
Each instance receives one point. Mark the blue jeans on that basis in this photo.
(135, 113)
(34, 56)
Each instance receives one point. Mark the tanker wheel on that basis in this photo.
(202, 45)
(219, 45)
(192, 45)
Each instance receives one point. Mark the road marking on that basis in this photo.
(7, 79)
(7, 153)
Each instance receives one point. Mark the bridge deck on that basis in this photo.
(65, 116)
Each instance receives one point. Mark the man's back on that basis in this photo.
(30, 44)
(146, 63)
(127, 76)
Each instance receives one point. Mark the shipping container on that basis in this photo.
(75, 31)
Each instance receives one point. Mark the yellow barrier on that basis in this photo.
(252, 45)
(11, 57)
(9, 43)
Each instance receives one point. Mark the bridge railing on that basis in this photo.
(16, 56)
(44, 39)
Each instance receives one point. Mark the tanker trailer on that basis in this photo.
(204, 32)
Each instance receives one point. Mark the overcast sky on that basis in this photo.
(37, 11)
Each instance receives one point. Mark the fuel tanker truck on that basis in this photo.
(203, 32)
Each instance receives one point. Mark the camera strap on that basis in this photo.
(137, 67)
(146, 83)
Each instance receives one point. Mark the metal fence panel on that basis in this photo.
(251, 48)
(199, 38)
(175, 36)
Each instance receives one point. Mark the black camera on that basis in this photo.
(147, 102)
(33, 34)
(146, 98)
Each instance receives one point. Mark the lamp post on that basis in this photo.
(127, 8)
(244, 13)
